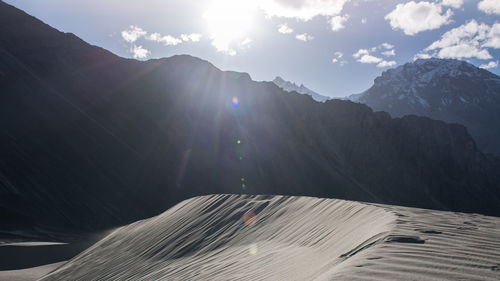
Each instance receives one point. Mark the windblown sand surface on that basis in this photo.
(31, 260)
(229, 237)
(28, 274)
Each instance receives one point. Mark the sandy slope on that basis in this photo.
(293, 238)
(28, 274)
(25, 256)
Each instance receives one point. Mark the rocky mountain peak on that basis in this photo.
(446, 89)
(292, 87)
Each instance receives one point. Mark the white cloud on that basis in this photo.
(306, 10)
(338, 58)
(387, 46)
(140, 52)
(360, 52)
(469, 40)
(153, 36)
(464, 51)
(422, 56)
(491, 64)
(453, 3)
(169, 40)
(489, 6)
(369, 59)
(364, 20)
(389, 53)
(386, 63)
(193, 37)
(364, 55)
(493, 37)
(284, 28)
(304, 37)
(133, 33)
(301, 9)
(223, 46)
(337, 22)
(471, 31)
(230, 21)
(413, 17)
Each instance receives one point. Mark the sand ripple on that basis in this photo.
(230, 237)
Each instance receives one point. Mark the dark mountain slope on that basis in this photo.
(89, 140)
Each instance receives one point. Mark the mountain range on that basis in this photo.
(450, 90)
(90, 140)
(444, 89)
(292, 87)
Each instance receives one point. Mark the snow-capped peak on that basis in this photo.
(292, 87)
(427, 82)
(444, 89)
(428, 69)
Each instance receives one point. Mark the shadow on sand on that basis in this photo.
(20, 256)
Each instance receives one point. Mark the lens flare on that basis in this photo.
(235, 102)
(250, 218)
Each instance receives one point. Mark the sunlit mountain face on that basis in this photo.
(335, 47)
(157, 131)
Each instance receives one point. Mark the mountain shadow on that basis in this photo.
(89, 139)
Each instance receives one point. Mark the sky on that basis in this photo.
(334, 47)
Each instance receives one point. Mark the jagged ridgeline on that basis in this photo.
(444, 89)
(89, 139)
(292, 87)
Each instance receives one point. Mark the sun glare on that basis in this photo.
(229, 23)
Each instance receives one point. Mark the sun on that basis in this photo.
(229, 23)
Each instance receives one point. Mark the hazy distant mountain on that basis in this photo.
(292, 87)
(449, 90)
(89, 139)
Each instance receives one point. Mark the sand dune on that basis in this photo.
(28, 274)
(230, 237)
